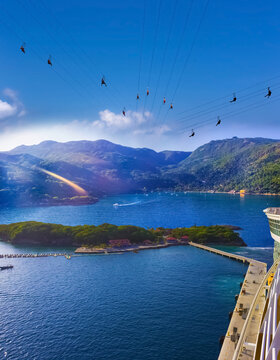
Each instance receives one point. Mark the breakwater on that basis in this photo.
(255, 275)
(31, 255)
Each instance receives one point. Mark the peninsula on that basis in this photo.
(113, 238)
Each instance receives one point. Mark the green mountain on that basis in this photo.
(101, 168)
(232, 164)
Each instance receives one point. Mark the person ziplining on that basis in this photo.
(148, 92)
(233, 98)
(123, 112)
(219, 121)
(49, 61)
(22, 48)
(137, 97)
(268, 93)
(164, 100)
(103, 82)
(171, 107)
(192, 134)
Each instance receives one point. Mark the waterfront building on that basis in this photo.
(119, 242)
(171, 240)
(185, 238)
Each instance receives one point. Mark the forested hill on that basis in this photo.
(103, 168)
(234, 164)
(37, 233)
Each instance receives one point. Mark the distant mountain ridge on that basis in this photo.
(102, 167)
(101, 154)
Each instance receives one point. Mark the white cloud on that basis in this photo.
(6, 109)
(110, 119)
(12, 108)
(135, 129)
(156, 130)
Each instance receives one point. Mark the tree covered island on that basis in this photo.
(108, 237)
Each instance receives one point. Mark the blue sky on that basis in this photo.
(237, 47)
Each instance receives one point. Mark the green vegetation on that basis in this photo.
(32, 232)
(232, 164)
(215, 234)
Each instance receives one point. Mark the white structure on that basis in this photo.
(273, 215)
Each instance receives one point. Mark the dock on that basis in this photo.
(31, 255)
(254, 278)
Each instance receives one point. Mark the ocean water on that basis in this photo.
(159, 304)
(162, 209)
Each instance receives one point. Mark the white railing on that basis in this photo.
(256, 300)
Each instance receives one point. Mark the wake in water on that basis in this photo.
(116, 205)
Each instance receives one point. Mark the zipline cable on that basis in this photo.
(191, 49)
(69, 55)
(228, 96)
(153, 52)
(141, 51)
(187, 18)
(42, 59)
(247, 108)
(188, 56)
(203, 113)
(165, 52)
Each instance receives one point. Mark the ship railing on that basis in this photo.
(240, 345)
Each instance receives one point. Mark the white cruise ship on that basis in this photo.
(273, 215)
(259, 335)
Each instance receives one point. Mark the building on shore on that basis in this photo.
(119, 242)
(185, 239)
(171, 240)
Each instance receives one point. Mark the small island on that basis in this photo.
(108, 238)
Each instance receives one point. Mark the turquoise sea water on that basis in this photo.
(159, 304)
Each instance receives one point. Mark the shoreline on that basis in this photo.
(96, 200)
(224, 192)
(135, 248)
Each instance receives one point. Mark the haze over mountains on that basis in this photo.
(101, 167)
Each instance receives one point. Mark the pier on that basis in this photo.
(245, 305)
(31, 255)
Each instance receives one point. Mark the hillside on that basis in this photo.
(233, 164)
(101, 168)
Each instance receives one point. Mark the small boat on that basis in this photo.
(116, 205)
(6, 267)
